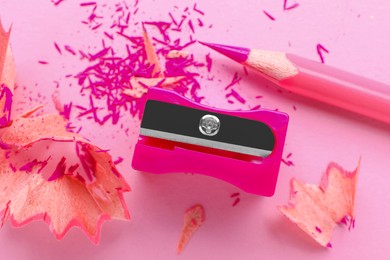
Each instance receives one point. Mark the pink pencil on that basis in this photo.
(315, 80)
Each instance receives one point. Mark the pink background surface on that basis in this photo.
(355, 33)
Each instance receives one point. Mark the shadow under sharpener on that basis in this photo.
(243, 148)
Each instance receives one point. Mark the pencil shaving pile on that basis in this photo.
(83, 194)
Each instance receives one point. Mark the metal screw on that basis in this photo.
(209, 125)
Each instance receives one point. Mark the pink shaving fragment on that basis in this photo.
(43, 62)
(59, 170)
(5, 114)
(28, 167)
(57, 2)
(256, 107)
(69, 49)
(236, 79)
(318, 230)
(209, 62)
(87, 3)
(109, 35)
(286, 8)
(234, 94)
(57, 48)
(200, 23)
(288, 162)
(194, 217)
(118, 161)
(320, 49)
(234, 194)
(191, 26)
(269, 16)
(66, 111)
(236, 201)
(197, 10)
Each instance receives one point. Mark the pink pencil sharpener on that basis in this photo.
(243, 148)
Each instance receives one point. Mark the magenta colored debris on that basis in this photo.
(234, 194)
(70, 49)
(57, 48)
(118, 161)
(329, 245)
(236, 201)
(43, 62)
(348, 222)
(209, 62)
(28, 167)
(285, 7)
(257, 97)
(172, 18)
(200, 23)
(318, 230)
(197, 10)
(103, 151)
(236, 79)
(73, 168)
(5, 115)
(191, 26)
(97, 26)
(109, 35)
(288, 163)
(294, 107)
(57, 2)
(320, 49)
(66, 111)
(13, 168)
(288, 155)
(87, 3)
(234, 94)
(245, 70)
(59, 171)
(4, 146)
(256, 107)
(163, 29)
(269, 16)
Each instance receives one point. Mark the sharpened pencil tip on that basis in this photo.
(238, 54)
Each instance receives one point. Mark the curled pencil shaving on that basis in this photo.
(317, 210)
(65, 199)
(193, 219)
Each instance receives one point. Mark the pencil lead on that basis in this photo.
(238, 54)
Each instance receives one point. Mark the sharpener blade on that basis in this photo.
(204, 128)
